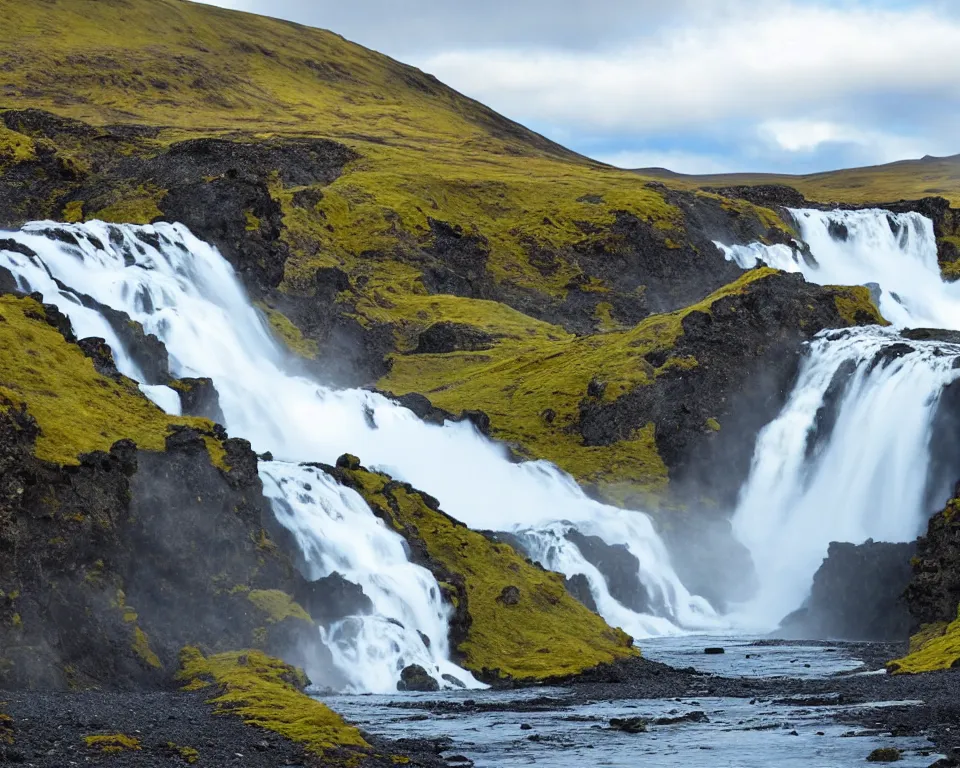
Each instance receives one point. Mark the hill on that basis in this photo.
(906, 179)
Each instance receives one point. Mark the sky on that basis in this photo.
(696, 86)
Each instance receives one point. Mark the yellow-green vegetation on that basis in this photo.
(544, 633)
(73, 212)
(141, 647)
(137, 206)
(277, 605)
(907, 179)
(6, 728)
(425, 151)
(531, 384)
(188, 754)
(289, 334)
(267, 693)
(936, 646)
(855, 304)
(77, 409)
(113, 744)
(713, 425)
(15, 147)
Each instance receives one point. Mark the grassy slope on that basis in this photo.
(904, 180)
(935, 647)
(426, 150)
(77, 409)
(547, 633)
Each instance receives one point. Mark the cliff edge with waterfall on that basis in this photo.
(329, 362)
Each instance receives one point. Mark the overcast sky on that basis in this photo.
(697, 86)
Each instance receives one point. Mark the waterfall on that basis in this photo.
(184, 292)
(849, 456)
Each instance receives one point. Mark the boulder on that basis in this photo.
(416, 678)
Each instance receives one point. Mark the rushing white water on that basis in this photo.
(868, 477)
(183, 291)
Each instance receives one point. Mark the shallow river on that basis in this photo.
(554, 727)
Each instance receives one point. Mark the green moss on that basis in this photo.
(141, 647)
(77, 409)
(188, 754)
(266, 693)
(713, 425)
(252, 222)
(885, 755)
(113, 744)
(935, 647)
(546, 634)
(217, 453)
(289, 334)
(73, 212)
(855, 305)
(6, 729)
(278, 605)
(15, 148)
(537, 369)
(139, 206)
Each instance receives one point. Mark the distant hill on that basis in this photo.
(906, 179)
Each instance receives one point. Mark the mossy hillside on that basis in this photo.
(187, 70)
(532, 382)
(906, 179)
(78, 410)
(268, 694)
(545, 634)
(935, 647)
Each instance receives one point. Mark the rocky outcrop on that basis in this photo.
(620, 569)
(857, 594)
(199, 397)
(511, 619)
(112, 560)
(934, 591)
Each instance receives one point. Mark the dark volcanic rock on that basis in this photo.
(199, 397)
(110, 567)
(452, 337)
(416, 678)
(768, 195)
(333, 598)
(102, 356)
(620, 569)
(933, 594)
(578, 586)
(629, 724)
(857, 594)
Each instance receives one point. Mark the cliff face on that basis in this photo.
(933, 595)
(115, 555)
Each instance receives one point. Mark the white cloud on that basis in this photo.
(809, 136)
(791, 58)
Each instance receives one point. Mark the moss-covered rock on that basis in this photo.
(267, 693)
(933, 595)
(512, 619)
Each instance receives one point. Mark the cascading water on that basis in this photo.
(184, 292)
(849, 456)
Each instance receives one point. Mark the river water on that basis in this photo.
(558, 727)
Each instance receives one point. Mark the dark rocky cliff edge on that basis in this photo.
(933, 595)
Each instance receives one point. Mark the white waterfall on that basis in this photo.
(868, 477)
(183, 291)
